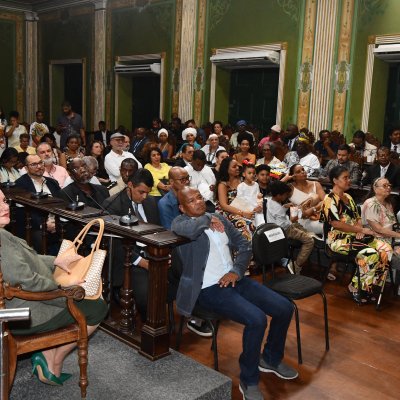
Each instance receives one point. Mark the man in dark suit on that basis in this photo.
(135, 198)
(103, 134)
(34, 182)
(186, 156)
(384, 168)
(138, 143)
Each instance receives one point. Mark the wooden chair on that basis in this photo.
(22, 344)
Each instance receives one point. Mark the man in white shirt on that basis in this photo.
(114, 158)
(201, 176)
(14, 130)
(363, 148)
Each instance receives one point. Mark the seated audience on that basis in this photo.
(245, 144)
(277, 214)
(8, 162)
(159, 170)
(24, 144)
(127, 169)
(186, 156)
(308, 197)
(343, 159)
(96, 150)
(189, 137)
(290, 136)
(217, 129)
(219, 156)
(38, 128)
(348, 236)
(114, 158)
(201, 176)
(73, 148)
(216, 282)
(166, 148)
(211, 149)
(268, 151)
(127, 143)
(139, 140)
(22, 265)
(241, 128)
(325, 148)
(273, 137)
(168, 205)
(394, 141)
(34, 182)
(302, 155)
(92, 166)
(200, 133)
(377, 213)
(81, 189)
(51, 170)
(383, 169)
(14, 130)
(102, 135)
(263, 181)
(229, 180)
(366, 151)
(59, 157)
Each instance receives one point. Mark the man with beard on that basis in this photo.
(51, 169)
(70, 122)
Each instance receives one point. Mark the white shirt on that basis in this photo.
(369, 151)
(202, 180)
(276, 214)
(233, 141)
(143, 215)
(211, 156)
(219, 261)
(310, 163)
(384, 170)
(112, 163)
(13, 140)
(248, 193)
(93, 181)
(392, 147)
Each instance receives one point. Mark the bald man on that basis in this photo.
(216, 282)
(168, 205)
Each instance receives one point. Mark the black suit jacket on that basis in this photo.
(137, 147)
(392, 174)
(25, 182)
(120, 203)
(180, 162)
(99, 136)
(99, 194)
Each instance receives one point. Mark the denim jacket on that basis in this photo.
(194, 256)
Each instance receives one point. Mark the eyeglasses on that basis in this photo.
(184, 179)
(385, 186)
(36, 164)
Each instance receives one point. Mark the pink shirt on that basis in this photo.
(58, 173)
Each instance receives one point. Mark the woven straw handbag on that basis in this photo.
(88, 268)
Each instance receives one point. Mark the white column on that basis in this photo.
(367, 87)
(188, 48)
(31, 66)
(99, 61)
(322, 91)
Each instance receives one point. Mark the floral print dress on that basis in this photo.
(372, 258)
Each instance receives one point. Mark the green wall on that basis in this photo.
(67, 38)
(7, 66)
(150, 30)
(374, 17)
(252, 22)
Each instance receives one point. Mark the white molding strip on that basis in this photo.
(281, 85)
(321, 94)
(212, 91)
(367, 87)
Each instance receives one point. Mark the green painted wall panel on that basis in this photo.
(234, 23)
(222, 89)
(7, 66)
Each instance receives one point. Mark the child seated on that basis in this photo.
(277, 214)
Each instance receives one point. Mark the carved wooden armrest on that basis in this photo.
(71, 292)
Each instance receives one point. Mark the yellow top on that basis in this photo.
(158, 174)
(30, 150)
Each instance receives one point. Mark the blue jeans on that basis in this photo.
(248, 303)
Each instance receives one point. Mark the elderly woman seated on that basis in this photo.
(22, 265)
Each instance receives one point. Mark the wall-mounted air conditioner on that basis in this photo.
(388, 52)
(247, 59)
(138, 69)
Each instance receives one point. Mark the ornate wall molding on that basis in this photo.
(31, 65)
(307, 57)
(343, 67)
(198, 73)
(187, 59)
(321, 94)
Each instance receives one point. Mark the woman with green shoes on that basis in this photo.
(20, 264)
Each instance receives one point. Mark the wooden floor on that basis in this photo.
(363, 363)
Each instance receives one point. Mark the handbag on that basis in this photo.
(87, 268)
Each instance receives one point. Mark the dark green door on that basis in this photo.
(253, 97)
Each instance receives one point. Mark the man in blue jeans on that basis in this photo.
(216, 282)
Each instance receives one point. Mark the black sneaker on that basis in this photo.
(202, 330)
(250, 392)
(282, 370)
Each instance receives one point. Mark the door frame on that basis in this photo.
(52, 63)
(140, 58)
(280, 46)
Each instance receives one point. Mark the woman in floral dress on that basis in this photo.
(348, 236)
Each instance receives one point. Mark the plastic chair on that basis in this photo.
(269, 246)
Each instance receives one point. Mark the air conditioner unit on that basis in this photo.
(247, 59)
(388, 52)
(138, 69)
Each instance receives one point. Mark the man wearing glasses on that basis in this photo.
(34, 182)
